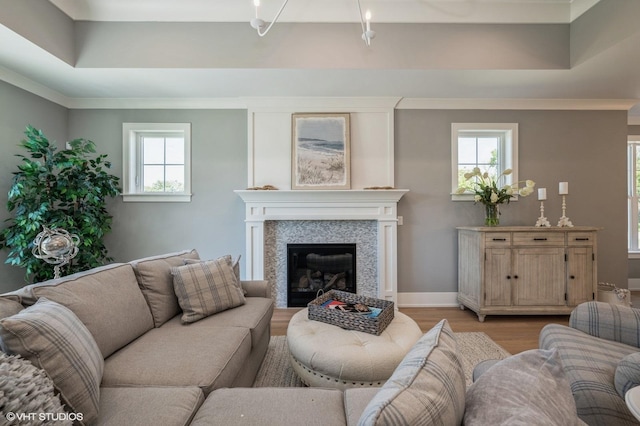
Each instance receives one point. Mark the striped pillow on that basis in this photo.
(206, 288)
(428, 387)
(54, 339)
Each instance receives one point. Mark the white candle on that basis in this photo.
(542, 194)
(563, 188)
(256, 3)
(367, 16)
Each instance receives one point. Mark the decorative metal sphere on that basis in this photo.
(55, 246)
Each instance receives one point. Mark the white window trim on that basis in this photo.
(510, 131)
(633, 145)
(130, 156)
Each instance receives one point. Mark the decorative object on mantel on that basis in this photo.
(320, 151)
(378, 187)
(563, 189)
(263, 188)
(262, 28)
(487, 192)
(542, 220)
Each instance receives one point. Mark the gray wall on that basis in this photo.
(585, 148)
(213, 222)
(19, 108)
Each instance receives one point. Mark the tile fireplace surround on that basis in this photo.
(355, 209)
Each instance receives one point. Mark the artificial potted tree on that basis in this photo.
(58, 189)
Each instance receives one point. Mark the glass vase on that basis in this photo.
(492, 215)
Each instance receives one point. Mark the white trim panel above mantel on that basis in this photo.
(378, 205)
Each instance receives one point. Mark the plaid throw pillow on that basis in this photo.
(53, 338)
(427, 388)
(235, 264)
(206, 288)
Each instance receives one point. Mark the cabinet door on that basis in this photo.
(580, 285)
(497, 288)
(539, 276)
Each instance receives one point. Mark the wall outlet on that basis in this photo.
(400, 220)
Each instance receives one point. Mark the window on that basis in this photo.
(157, 161)
(493, 147)
(633, 192)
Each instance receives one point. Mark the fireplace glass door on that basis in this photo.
(314, 267)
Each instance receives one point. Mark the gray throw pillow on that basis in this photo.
(627, 373)
(206, 288)
(427, 388)
(53, 338)
(530, 389)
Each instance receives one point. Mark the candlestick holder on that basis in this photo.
(564, 220)
(542, 220)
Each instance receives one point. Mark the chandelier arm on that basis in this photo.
(275, 19)
(361, 19)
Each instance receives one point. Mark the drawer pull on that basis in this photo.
(582, 239)
(573, 277)
(539, 239)
(499, 239)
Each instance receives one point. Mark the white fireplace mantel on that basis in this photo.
(378, 205)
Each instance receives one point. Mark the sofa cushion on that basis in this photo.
(355, 401)
(428, 387)
(107, 300)
(166, 406)
(530, 388)
(156, 283)
(627, 374)
(181, 355)
(590, 363)
(272, 406)
(9, 307)
(206, 288)
(255, 315)
(54, 339)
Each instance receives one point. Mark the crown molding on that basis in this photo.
(31, 86)
(634, 120)
(517, 104)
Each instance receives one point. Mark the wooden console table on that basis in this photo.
(511, 270)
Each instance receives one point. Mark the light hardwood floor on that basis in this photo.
(514, 333)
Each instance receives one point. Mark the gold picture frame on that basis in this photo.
(321, 151)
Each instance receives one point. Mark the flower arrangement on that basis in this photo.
(488, 193)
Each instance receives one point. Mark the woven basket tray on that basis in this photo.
(349, 320)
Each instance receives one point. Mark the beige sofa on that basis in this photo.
(157, 371)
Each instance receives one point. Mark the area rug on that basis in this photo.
(276, 369)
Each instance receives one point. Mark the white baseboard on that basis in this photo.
(634, 284)
(428, 300)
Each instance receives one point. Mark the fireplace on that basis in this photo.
(367, 217)
(315, 267)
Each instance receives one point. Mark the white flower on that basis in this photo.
(507, 172)
(526, 191)
(494, 197)
(530, 184)
(460, 190)
(477, 198)
(476, 171)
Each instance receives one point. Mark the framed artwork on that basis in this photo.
(320, 154)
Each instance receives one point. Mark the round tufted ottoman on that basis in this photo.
(325, 355)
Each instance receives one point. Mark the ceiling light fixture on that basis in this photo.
(259, 24)
(262, 28)
(367, 33)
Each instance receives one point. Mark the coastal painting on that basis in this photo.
(320, 151)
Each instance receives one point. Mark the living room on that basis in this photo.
(569, 81)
